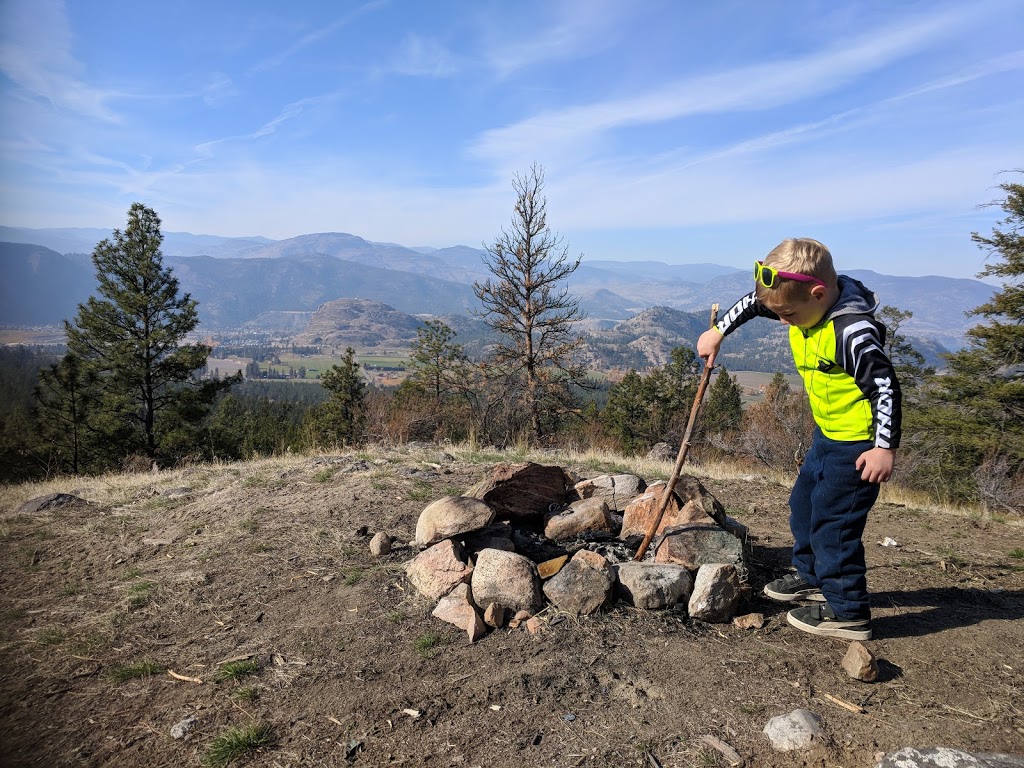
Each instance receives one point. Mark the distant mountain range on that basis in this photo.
(255, 283)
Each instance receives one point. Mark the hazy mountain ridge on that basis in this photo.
(40, 286)
(84, 239)
(239, 280)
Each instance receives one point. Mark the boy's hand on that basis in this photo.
(876, 465)
(708, 345)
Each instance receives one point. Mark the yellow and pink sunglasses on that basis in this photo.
(769, 276)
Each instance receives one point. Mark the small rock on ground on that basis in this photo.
(180, 729)
(380, 544)
(796, 730)
(749, 621)
(859, 663)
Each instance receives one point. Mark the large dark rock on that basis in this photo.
(522, 490)
(583, 586)
(48, 502)
(692, 546)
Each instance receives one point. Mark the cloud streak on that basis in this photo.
(580, 27)
(35, 53)
(288, 112)
(744, 89)
(314, 37)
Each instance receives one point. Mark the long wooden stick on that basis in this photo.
(683, 450)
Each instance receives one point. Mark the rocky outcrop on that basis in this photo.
(358, 322)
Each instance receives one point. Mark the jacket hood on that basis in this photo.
(854, 299)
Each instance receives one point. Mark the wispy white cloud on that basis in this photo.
(287, 113)
(314, 37)
(36, 54)
(423, 57)
(749, 88)
(218, 90)
(578, 27)
(845, 121)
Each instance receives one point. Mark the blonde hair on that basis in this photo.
(803, 256)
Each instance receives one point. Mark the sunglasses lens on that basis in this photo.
(766, 275)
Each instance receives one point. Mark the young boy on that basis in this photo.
(855, 398)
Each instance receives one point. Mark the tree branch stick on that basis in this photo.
(684, 449)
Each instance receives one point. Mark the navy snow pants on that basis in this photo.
(829, 506)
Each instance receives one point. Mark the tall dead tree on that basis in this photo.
(528, 304)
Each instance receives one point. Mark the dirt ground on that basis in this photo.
(267, 563)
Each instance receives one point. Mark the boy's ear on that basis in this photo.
(819, 292)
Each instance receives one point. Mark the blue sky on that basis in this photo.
(668, 130)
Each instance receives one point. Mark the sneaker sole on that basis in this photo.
(830, 629)
(790, 597)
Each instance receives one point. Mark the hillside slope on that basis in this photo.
(267, 563)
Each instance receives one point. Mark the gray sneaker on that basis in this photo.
(822, 620)
(791, 588)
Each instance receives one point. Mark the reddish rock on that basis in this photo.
(437, 570)
(457, 608)
(690, 503)
(494, 616)
(859, 663)
(522, 490)
(519, 619)
(549, 568)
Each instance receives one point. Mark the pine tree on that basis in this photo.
(670, 390)
(343, 415)
(438, 364)
(723, 410)
(969, 429)
(132, 339)
(910, 365)
(642, 411)
(65, 396)
(626, 415)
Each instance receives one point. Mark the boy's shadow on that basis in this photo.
(944, 607)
